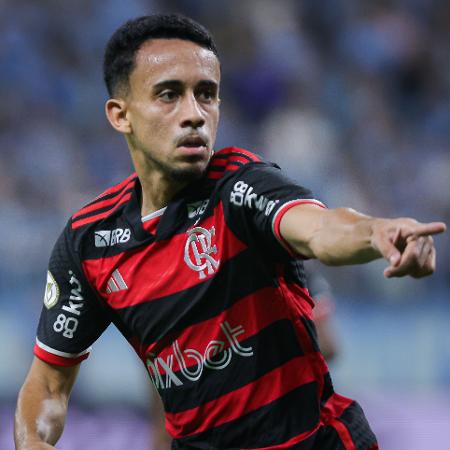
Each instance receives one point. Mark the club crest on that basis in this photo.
(198, 250)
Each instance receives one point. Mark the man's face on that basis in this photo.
(173, 107)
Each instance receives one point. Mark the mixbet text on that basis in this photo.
(216, 356)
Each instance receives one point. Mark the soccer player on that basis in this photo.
(197, 259)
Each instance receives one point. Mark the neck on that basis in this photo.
(158, 188)
(157, 191)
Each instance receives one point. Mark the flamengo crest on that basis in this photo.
(198, 249)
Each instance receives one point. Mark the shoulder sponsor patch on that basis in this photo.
(51, 295)
(244, 195)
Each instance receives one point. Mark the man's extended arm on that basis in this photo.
(343, 236)
(42, 405)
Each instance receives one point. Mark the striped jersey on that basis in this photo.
(214, 303)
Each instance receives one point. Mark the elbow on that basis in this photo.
(323, 253)
(326, 258)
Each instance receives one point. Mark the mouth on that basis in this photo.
(193, 144)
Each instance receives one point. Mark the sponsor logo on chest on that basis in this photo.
(116, 283)
(216, 355)
(109, 238)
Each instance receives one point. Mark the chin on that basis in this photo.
(188, 174)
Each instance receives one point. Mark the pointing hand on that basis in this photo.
(407, 245)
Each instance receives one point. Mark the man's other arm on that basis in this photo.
(42, 405)
(343, 236)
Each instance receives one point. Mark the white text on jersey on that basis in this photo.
(109, 238)
(244, 195)
(192, 362)
(68, 324)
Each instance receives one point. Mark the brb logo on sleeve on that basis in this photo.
(198, 249)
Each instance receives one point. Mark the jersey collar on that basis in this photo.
(175, 215)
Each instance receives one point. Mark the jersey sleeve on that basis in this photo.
(72, 317)
(256, 198)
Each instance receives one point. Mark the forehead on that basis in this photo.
(174, 59)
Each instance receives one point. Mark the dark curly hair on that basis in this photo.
(120, 52)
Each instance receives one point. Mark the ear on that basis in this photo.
(116, 112)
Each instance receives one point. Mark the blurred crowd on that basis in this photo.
(350, 97)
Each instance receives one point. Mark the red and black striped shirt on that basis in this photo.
(211, 299)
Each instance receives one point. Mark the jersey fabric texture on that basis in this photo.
(213, 302)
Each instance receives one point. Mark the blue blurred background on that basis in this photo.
(351, 98)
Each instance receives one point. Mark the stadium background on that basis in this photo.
(350, 97)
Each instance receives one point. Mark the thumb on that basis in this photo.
(394, 257)
(385, 242)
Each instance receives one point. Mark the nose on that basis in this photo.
(192, 116)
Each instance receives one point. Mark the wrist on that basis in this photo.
(376, 227)
(365, 231)
(35, 444)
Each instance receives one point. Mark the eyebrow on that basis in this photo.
(208, 83)
(177, 84)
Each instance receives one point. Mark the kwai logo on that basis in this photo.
(69, 324)
(244, 195)
(192, 362)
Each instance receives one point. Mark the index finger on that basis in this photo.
(427, 229)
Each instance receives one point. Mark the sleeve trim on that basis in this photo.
(57, 357)
(282, 210)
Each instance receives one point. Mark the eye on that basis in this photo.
(206, 95)
(168, 96)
